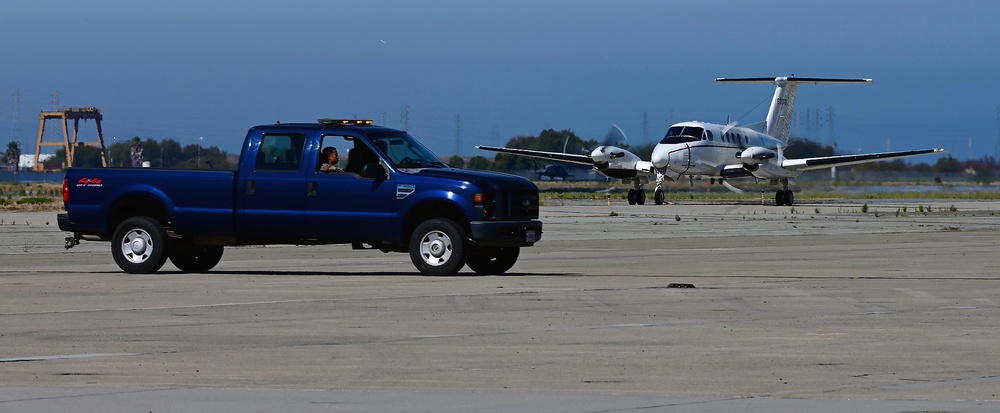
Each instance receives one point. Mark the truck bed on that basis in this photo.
(199, 202)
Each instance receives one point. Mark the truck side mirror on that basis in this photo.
(373, 170)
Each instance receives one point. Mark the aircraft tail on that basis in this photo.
(779, 116)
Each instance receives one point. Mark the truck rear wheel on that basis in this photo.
(139, 245)
(437, 247)
(492, 261)
(194, 258)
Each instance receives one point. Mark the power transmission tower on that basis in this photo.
(458, 134)
(404, 117)
(15, 128)
(831, 136)
(997, 149)
(645, 126)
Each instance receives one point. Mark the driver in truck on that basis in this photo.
(329, 159)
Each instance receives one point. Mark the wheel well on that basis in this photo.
(430, 210)
(136, 205)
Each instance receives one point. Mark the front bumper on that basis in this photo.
(506, 233)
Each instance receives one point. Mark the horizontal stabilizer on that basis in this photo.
(791, 79)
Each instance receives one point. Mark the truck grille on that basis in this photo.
(522, 204)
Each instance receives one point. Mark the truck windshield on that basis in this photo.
(404, 151)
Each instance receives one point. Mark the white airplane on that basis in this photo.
(719, 152)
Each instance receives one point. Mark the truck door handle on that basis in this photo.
(311, 188)
(251, 187)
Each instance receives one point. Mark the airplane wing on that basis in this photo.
(565, 157)
(808, 164)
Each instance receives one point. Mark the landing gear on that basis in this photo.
(637, 196)
(784, 196)
(658, 196)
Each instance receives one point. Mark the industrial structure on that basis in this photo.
(76, 114)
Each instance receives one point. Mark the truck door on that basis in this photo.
(341, 205)
(272, 196)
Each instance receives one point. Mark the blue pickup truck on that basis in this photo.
(390, 194)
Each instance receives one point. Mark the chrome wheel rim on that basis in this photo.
(137, 246)
(436, 248)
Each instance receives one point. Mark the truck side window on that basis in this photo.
(358, 156)
(280, 152)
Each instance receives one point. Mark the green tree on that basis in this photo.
(947, 165)
(456, 161)
(171, 154)
(135, 152)
(479, 162)
(13, 154)
(805, 148)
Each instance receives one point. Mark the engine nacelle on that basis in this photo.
(755, 154)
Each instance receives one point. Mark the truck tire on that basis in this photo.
(194, 258)
(139, 245)
(492, 261)
(437, 247)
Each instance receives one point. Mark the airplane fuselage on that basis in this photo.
(698, 148)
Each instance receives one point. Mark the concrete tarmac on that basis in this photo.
(825, 307)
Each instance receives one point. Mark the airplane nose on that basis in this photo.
(660, 157)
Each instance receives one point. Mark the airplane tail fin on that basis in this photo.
(779, 116)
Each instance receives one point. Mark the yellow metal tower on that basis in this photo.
(66, 114)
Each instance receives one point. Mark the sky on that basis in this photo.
(482, 72)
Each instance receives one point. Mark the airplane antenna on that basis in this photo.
(740, 119)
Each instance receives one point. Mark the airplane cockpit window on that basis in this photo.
(684, 134)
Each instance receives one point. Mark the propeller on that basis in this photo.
(607, 150)
(615, 136)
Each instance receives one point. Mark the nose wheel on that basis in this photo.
(658, 196)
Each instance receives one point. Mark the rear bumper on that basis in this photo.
(506, 233)
(63, 220)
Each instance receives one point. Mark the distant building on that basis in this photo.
(28, 161)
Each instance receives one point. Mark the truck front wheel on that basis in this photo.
(492, 261)
(437, 247)
(194, 258)
(139, 245)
